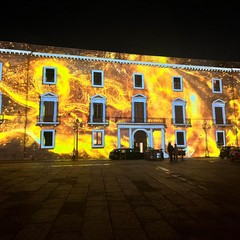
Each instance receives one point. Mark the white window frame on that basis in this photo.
(98, 99)
(181, 84)
(220, 85)
(48, 97)
(224, 136)
(139, 98)
(102, 78)
(184, 138)
(43, 146)
(44, 75)
(219, 103)
(0, 71)
(1, 116)
(95, 145)
(179, 102)
(0, 103)
(134, 80)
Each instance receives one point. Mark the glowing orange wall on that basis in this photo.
(21, 87)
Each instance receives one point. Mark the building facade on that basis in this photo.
(58, 102)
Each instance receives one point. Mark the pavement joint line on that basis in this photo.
(80, 165)
(202, 187)
(179, 177)
(162, 168)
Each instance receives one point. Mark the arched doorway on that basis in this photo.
(140, 140)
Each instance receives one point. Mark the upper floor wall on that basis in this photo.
(96, 86)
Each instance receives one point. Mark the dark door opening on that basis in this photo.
(140, 141)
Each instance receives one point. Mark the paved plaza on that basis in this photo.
(193, 199)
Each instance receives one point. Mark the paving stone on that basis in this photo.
(92, 230)
(190, 200)
(33, 231)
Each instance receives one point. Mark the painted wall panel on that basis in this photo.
(22, 87)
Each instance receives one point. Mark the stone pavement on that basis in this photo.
(119, 200)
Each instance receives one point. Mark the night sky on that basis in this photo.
(199, 29)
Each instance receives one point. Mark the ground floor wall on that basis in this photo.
(26, 144)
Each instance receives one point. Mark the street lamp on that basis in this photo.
(206, 127)
(236, 132)
(76, 125)
(1, 118)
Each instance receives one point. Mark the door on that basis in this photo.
(48, 111)
(139, 112)
(140, 141)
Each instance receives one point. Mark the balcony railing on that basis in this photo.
(48, 120)
(186, 122)
(100, 121)
(139, 120)
(226, 123)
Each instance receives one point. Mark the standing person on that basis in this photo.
(175, 153)
(170, 151)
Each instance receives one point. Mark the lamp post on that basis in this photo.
(76, 125)
(206, 127)
(236, 132)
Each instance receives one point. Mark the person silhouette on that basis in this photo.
(170, 151)
(175, 153)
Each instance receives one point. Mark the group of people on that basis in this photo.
(172, 152)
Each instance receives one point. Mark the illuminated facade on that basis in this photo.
(56, 102)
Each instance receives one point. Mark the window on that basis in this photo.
(216, 85)
(179, 111)
(139, 108)
(97, 78)
(220, 138)
(0, 103)
(98, 110)
(138, 81)
(48, 112)
(49, 75)
(47, 138)
(177, 83)
(218, 109)
(0, 71)
(98, 138)
(1, 115)
(180, 138)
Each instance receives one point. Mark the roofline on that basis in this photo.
(86, 58)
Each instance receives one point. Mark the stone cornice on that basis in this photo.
(87, 58)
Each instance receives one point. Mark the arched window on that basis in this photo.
(179, 111)
(218, 111)
(0, 71)
(1, 115)
(98, 109)
(139, 108)
(48, 112)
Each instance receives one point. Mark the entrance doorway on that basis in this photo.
(140, 140)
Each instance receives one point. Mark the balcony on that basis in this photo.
(181, 122)
(98, 121)
(48, 120)
(139, 120)
(226, 123)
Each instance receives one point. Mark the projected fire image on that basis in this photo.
(74, 96)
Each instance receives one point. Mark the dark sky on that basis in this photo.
(198, 29)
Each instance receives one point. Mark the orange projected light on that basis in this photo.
(22, 89)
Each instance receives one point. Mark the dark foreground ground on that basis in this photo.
(120, 200)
